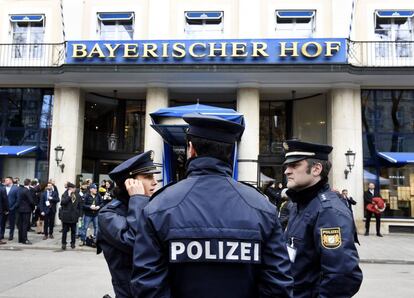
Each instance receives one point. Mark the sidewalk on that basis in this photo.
(39, 243)
(392, 249)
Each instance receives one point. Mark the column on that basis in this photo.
(67, 131)
(248, 103)
(156, 98)
(345, 132)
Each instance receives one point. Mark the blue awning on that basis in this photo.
(174, 135)
(27, 18)
(397, 157)
(16, 150)
(204, 15)
(295, 14)
(115, 16)
(178, 112)
(395, 13)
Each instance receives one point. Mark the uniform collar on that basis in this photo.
(304, 196)
(208, 166)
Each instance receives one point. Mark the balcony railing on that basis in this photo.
(360, 53)
(32, 55)
(381, 53)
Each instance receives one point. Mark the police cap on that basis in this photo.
(213, 128)
(296, 150)
(141, 164)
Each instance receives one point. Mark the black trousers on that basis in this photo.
(368, 216)
(12, 222)
(23, 225)
(66, 228)
(49, 223)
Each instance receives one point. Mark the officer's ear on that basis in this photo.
(317, 169)
(191, 152)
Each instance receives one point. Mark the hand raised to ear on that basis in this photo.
(134, 187)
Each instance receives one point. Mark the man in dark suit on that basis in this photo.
(25, 208)
(12, 192)
(368, 195)
(4, 207)
(47, 206)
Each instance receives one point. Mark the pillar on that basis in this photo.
(248, 104)
(157, 98)
(345, 132)
(67, 131)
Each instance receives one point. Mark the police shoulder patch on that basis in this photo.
(331, 238)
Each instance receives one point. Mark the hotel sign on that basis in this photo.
(231, 51)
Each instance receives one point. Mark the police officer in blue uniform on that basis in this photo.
(118, 219)
(320, 232)
(209, 235)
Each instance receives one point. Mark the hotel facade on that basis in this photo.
(86, 74)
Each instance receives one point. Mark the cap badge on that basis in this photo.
(152, 155)
(285, 146)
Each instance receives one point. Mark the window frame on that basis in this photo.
(117, 21)
(311, 17)
(204, 27)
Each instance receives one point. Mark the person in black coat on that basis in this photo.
(368, 195)
(274, 193)
(69, 214)
(4, 206)
(12, 197)
(47, 207)
(25, 208)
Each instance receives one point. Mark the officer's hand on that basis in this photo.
(134, 187)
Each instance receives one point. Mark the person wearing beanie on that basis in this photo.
(91, 205)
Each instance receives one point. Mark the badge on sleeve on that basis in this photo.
(331, 238)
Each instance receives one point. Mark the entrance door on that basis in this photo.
(275, 127)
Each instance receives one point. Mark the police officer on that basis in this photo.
(209, 235)
(118, 219)
(320, 231)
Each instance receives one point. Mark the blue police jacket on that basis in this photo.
(116, 235)
(210, 236)
(320, 240)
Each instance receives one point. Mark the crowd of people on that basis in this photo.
(32, 207)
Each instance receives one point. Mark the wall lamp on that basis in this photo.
(350, 162)
(58, 157)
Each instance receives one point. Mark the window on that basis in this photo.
(116, 26)
(397, 27)
(28, 33)
(203, 23)
(295, 23)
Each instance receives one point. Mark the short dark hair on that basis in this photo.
(326, 166)
(210, 148)
(26, 182)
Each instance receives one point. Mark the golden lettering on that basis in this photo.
(221, 49)
(238, 47)
(178, 50)
(293, 49)
(79, 50)
(305, 52)
(165, 49)
(149, 50)
(111, 49)
(130, 50)
(96, 50)
(191, 49)
(259, 47)
(332, 46)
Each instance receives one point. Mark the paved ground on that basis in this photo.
(43, 270)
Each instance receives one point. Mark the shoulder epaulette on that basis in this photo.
(254, 187)
(115, 203)
(325, 198)
(161, 190)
